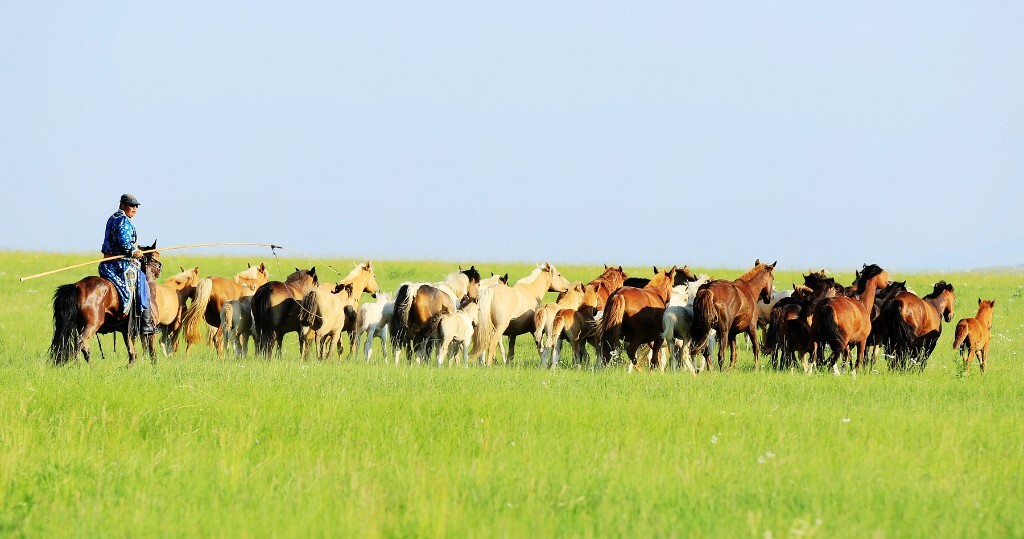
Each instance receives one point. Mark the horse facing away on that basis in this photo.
(171, 295)
(730, 308)
(456, 328)
(91, 306)
(275, 310)
(913, 325)
(544, 321)
(372, 320)
(324, 312)
(211, 294)
(417, 303)
(508, 310)
(580, 326)
(841, 321)
(236, 323)
(635, 314)
(973, 334)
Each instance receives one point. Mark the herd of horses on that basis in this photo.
(672, 318)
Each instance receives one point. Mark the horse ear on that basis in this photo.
(979, 301)
(655, 270)
(757, 261)
(263, 267)
(472, 268)
(297, 270)
(620, 269)
(312, 271)
(182, 268)
(248, 265)
(460, 267)
(606, 266)
(773, 265)
(992, 303)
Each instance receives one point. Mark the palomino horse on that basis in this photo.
(275, 310)
(324, 312)
(730, 308)
(841, 321)
(634, 314)
(211, 294)
(508, 310)
(544, 321)
(91, 306)
(914, 324)
(456, 328)
(972, 335)
(417, 303)
(171, 295)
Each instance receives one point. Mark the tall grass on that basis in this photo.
(213, 447)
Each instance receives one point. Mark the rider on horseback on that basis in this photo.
(120, 238)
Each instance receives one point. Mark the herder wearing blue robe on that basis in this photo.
(125, 274)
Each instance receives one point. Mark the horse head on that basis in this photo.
(557, 282)
(151, 264)
(944, 296)
(473, 290)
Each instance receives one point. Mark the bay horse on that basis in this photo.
(730, 308)
(841, 321)
(210, 296)
(913, 325)
(172, 295)
(635, 315)
(275, 310)
(973, 334)
(92, 306)
(508, 310)
(417, 303)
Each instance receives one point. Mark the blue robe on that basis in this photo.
(120, 238)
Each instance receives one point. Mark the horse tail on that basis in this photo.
(962, 336)
(828, 331)
(705, 316)
(434, 323)
(351, 318)
(227, 318)
(611, 323)
(262, 334)
(397, 324)
(65, 324)
(542, 321)
(774, 333)
(309, 309)
(197, 311)
(899, 333)
(485, 324)
(558, 325)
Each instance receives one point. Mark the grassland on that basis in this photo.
(204, 446)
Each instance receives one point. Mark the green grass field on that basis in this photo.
(211, 447)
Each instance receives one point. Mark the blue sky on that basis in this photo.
(816, 133)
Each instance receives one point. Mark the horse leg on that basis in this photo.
(631, 350)
(129, 344)
(752, 334)
(442, 352)
(983, 358)
(861, 346)
(511, 349)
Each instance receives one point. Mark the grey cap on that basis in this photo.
(130, 200)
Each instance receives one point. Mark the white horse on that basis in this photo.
(372, 321)
(506, 310)
(456, 328)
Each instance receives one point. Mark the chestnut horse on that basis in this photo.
(972, 335)
(416, 304)
(634, 314)
(91, 306)
(841, 321)
(171, 295)
(609, 281)
(275, 310)
(913, 325)
(211, 294)
(508, 310)
(730, 308)
(544, 321)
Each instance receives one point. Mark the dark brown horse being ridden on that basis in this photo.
(730, 308)
(92, 306)
(913, 325)
(841, 321)
(275, 310)
(634, 315)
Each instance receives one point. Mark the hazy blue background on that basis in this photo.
(710, 133)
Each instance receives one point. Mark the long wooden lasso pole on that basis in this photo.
(177, 247)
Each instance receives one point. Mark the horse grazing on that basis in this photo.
(372, 320)
(210, 296)
(972, 335)
(913, 325)
(171, 295)
(323, 314)
(275, 310)
(730, 308)
(508, 310)
(544, 321)
(456, 328)
(92, 306)
(417, 303)
(634, 315)
(841, 321)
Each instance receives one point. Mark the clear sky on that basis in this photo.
(709, 133)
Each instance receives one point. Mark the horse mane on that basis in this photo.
(355, 271)
(472, 274)
(249, 273)
(533, 276)
(752, 272)
(940, 287)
